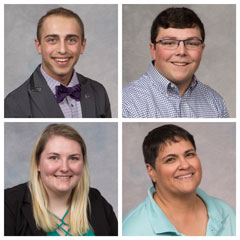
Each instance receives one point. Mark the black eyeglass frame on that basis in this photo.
(189, 39)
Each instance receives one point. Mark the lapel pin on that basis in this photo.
(87, 95)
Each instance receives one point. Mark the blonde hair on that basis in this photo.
(79, 202)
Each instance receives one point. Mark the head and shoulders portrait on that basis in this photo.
(58, 52)
(190, 179)
(179, 61)
(61, 188)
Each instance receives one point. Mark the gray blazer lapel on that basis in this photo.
(42, 96)
(87, 98)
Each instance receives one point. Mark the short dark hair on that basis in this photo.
(176, 18)
(60, 12)
(161, 136)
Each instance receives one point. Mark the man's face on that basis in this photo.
(179, 65)
(60, 46)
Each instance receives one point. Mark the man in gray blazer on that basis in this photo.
(55, 89)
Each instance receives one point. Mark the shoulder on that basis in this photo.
(205, 89)
(137, 96)
(19, 92)
(224, 209)
(17, 102)
(102, 216)
(15, 192)
(98, 93)
(85, 81)
(94, 194)
(217, 207)
(15, 198)
(97, 199)
(213, 98)
(135, 221)
(138, 86)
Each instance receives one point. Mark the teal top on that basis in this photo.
(147, 219)
(67, 232)
(55, 233)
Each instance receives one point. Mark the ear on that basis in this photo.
(203, 46)
(83, 45)
(38, 46)
(151, 172)
(153, 50)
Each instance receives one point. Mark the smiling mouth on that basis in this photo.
(62, 61)
(185, 176)
(62, 177)
(180, 63)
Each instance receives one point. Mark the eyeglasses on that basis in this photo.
(172, 44)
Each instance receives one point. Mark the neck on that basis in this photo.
(63, 79)
(58, 203)
(176, 204)
(183, 87)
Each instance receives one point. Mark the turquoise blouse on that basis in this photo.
(147, 219)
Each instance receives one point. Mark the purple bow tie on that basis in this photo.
(62, 92)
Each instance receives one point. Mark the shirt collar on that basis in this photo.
(216, 217)
(215, 222)
(157, 218)
(52, 83)
(163, 84)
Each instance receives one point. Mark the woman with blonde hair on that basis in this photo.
(57, 200)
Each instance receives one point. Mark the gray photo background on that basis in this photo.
(101, 140)
(216, 148)
(98, 62)
(218, 66)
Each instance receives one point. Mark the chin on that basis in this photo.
(64, 189)
(188, 190)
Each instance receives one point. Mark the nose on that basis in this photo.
(64, 166)
(62, 47)
(183, 163)
(181, 49)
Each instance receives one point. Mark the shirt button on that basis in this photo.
(172, 85)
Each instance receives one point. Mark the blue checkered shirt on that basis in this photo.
(69, 106)
(153, 96)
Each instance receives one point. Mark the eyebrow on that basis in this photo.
(56, 36)
(175, 155)
(54, 153)
(174, 38)
(169, 155)
(75, 154)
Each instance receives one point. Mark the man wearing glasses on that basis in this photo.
(169, 88)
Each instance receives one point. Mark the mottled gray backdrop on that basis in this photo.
(216, 148)
(99, 60)
(101, 140)
(218, 66)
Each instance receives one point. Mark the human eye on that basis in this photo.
(72, 40)
(74, 158)
(167, 42)
(51, 40)
(190, 154)
(193, 43)
(170, 160)
(53, 157)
